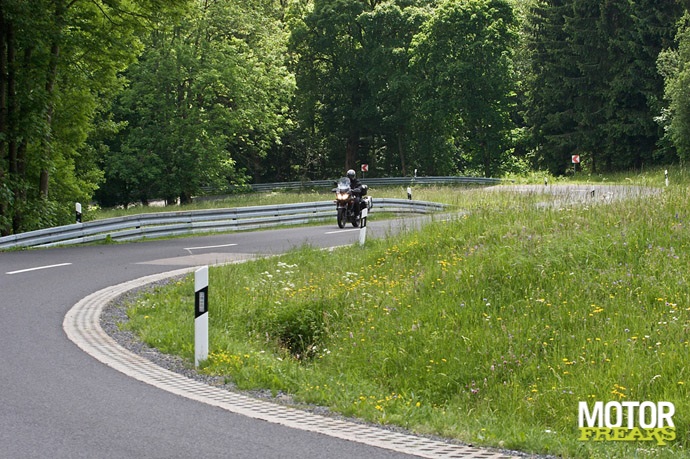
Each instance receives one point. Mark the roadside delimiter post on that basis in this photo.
(363, 226)
(200, 315)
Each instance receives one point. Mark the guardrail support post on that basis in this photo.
(200, 315)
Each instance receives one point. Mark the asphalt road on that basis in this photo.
(58, 402)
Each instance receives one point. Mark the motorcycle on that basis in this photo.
(346, 202)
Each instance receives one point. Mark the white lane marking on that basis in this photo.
(38, 268)
(341, 231)
(209, 247)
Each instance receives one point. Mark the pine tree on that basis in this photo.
(550, 114)
(594, 89)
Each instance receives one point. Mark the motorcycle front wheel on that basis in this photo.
(342, 218)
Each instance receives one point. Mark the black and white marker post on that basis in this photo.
(200, 315)
(77, 212)
(363, 226)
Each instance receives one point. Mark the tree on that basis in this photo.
(465, 85)
(594, 89)
(549, 102)
(59, 67)
(674, 65)
(389, 31)
(330, 70)
(208, 93)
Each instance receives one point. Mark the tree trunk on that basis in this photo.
(351, 150)
(46, 147)
(51, 76)
(4, 205)
(18, 151)
(401, 152)
(185, 198)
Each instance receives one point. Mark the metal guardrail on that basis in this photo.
(382, 181)
(166, 224)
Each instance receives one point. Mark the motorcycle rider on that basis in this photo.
(356, 187)
(354, 182)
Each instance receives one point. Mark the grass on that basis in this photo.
(488, 329)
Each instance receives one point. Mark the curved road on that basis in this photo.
(56, 401)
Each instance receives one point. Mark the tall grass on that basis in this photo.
(489, 328)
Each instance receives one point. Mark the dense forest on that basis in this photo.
(122, 101)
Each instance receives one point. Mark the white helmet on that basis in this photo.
(351, 174)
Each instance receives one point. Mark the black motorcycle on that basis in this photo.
(346, 200)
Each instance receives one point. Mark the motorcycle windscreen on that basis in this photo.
(344, 184)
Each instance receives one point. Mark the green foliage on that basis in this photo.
(391, 28)
(462, 63)
(674, 65)
(383, 79)
(299, 330)
(549, 112)
(330, 72)
(209, 93)
(585, 99)
(60, 68)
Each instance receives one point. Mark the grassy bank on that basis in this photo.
(489, 329)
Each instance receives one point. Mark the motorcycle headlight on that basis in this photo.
(341, 196)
